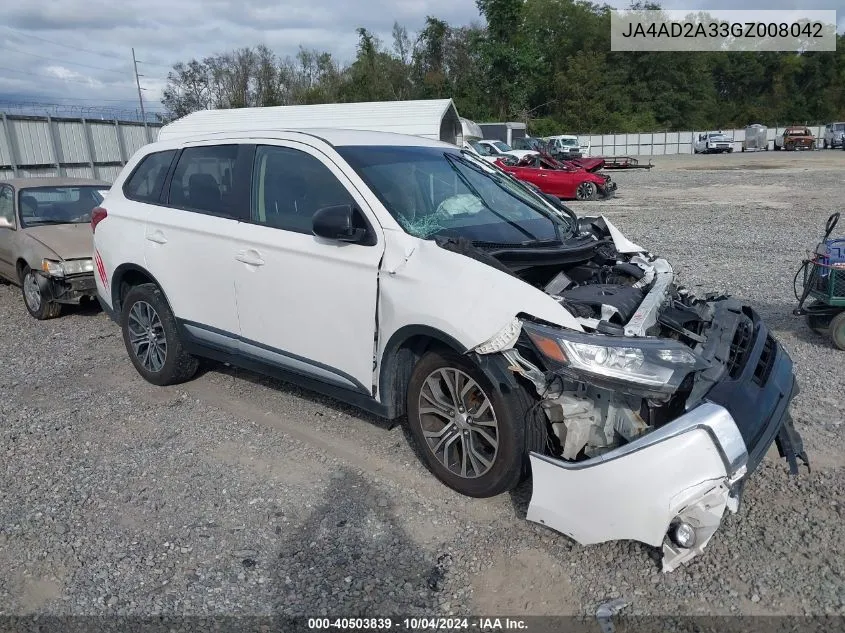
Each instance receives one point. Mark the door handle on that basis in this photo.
(157, 237)
(251, 257)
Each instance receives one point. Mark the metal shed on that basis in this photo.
(430, 118)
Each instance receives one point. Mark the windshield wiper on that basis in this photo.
(31, 222)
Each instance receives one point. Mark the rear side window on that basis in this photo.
(7, 207)
(202, 180)
(145, 183)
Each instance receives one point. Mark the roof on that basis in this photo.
(515, 125)
(429, 118)
(332, 136)
(25, 183)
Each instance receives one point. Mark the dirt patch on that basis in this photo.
(531, 583)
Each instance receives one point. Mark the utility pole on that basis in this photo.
(138, 83)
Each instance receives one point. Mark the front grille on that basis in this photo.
(766, 362)
(740, 348)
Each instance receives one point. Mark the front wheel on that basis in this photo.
(152, 339)
(37, 304)
(470, 435)
(586, 191)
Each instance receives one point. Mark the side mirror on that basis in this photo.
(342, 223)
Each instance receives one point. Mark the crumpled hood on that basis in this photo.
(68, 241)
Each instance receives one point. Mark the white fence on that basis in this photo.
(665, 143)
(36, 146)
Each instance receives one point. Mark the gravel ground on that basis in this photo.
(233, 494)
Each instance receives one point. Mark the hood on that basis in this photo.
(68, 241)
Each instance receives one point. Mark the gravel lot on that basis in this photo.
(233, 494)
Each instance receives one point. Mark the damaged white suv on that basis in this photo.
(413, 279)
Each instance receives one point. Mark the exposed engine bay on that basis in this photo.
(612, 294)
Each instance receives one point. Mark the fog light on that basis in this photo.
(682, 534)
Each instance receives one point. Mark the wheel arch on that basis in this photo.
(401, 353)
(127, 276)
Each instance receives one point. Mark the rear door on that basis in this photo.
(190, 244)
(306, 304)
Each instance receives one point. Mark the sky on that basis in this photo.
(79, 51)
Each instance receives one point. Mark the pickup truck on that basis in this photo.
(796, 137)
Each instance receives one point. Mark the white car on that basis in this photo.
(713, 143)
(407, 277)
(494, 150)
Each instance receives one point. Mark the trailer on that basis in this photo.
(506, 132)
(624, 162)
(435, 119)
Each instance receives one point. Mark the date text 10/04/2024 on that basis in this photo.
(418, 624)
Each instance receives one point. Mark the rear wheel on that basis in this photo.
(470, 435)
(152, 338)
(586, 191)
(837, 330)
(819, 323)
(34, 296)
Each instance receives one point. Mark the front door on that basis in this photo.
(8, 226)
(305, 304)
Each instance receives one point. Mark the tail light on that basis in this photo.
(98, 215)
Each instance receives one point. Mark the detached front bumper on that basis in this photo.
(608, 190)
(690, 470)
(69, 289)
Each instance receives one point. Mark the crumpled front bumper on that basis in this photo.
(69, 289)
(691, 469)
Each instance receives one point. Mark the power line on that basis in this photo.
(77, 48)
(62, 61)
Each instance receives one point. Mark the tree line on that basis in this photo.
(546, 62)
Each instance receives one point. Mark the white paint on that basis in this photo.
(635, 496)
(424, 118)
(622, 243)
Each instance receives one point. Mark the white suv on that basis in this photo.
(412, 278)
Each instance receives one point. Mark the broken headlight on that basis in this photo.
(67, 267)
(660, 364)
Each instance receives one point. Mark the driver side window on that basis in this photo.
(7, 207)
(289, 186)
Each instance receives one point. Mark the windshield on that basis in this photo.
(502, 147)
(432, 192)
(58, 205)
(480, 148)
(569, 142)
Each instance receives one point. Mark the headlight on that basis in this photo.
(661, 364)
(69, 267)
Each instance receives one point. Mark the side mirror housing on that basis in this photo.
(341, 223)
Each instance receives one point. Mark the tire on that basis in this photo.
(730, 150)
(777, 147)
(32, 290)
(824, 145)
(837, 330)
(145, 310)
(507, 420)
(819, 323)
(586, 191)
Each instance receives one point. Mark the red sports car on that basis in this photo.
(561, 180)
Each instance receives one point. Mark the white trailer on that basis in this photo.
(435, 119)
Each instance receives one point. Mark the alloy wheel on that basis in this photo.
(146, 336)
(458, 422)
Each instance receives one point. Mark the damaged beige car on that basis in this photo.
(45, 240)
